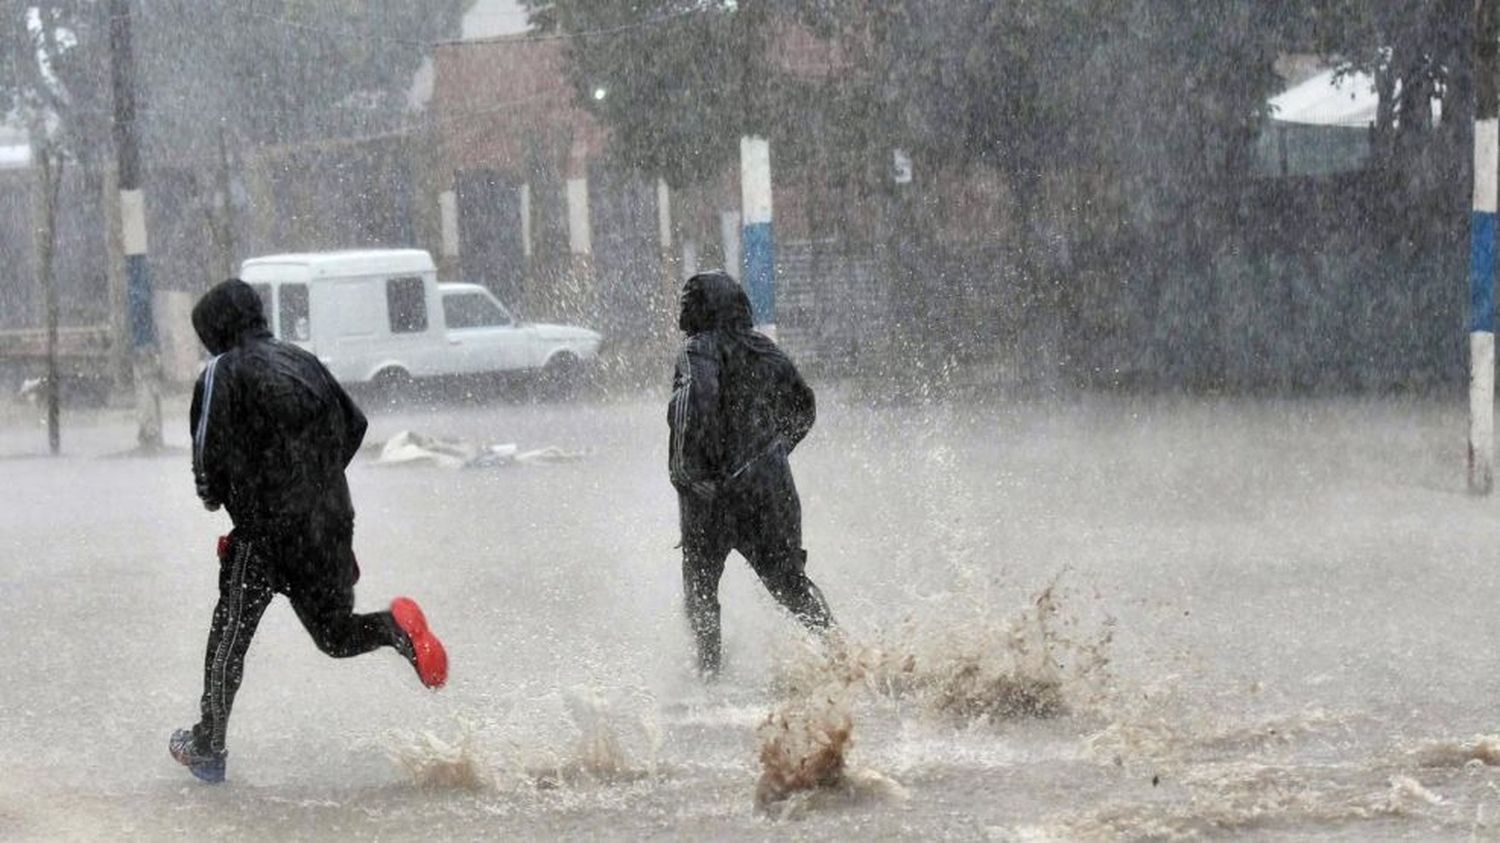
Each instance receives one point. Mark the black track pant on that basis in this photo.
(759, 515)
(249, 576)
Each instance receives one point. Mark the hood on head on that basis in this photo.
(713, 300)
(226, 314)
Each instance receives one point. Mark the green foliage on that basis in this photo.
(288, 70)
(680, 80)
(273, 71)
(52, 68)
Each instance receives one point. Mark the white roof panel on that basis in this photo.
(350, 263)
(1328, 99)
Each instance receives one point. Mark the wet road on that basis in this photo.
(1270, 619)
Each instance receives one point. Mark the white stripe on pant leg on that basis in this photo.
(224, 654)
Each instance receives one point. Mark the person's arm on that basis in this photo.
(352, 420)
(210, 418)
(696, 459)
(800, 409)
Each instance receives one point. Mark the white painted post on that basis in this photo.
(759, 241)
(729, 232)
(663, 215)
(1482, 308)
(448, 219)
(1482, 253)
(581, 245)
(526, 220)
(580, 235)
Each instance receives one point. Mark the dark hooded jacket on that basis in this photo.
(272, 429)
(736, 397)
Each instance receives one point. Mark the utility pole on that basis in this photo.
(50, 170)
(223, 226)
(1482, 250)
(145, 359)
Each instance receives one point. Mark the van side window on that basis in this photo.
(472, 310)
(293, 313)
(406, 302)
(264, 291)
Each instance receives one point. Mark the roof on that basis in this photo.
(1329, 98)
(350, 262)
(15, 155)
(491, 18)
(461, 287)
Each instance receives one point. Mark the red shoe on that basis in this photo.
(427, 653)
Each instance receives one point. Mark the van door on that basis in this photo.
(415, 330)
(354, 328)
(484, 337)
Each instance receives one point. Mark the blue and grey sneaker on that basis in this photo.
(207, 766)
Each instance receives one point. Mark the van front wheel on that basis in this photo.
(561, 378)
(391, 387)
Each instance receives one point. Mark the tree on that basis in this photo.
(54, 77)
(677, 81)
(276, 72)
(285, 71)
(48, 91)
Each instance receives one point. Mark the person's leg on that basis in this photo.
(244, 592)
(323, 598)
(704, 550)
(322, 595)
(772, 542)
(784, 574)
(327, 612)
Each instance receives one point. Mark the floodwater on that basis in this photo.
(1093, 618)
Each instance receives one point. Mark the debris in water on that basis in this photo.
(411, 448)
(1406, 788)
(1484, 749)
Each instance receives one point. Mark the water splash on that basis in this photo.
(1241, 798)
(433, 763)
(967, 666)
(964, 667)
(802, 748)
(804, 757)
(606, 747)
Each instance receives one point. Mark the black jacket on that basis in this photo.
(272, 429)
(736, 397)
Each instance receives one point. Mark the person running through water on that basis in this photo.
(272, 434)
(738, 408)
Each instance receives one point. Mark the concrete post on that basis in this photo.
(580, 247)
(138, 292)
(1482, 255)
(759, 242)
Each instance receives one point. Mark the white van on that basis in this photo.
(380, 316)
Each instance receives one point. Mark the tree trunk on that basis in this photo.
(50, 171)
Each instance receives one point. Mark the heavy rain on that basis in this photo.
(1088, 403)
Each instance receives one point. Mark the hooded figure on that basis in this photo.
(738, 408)
(272, 433)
